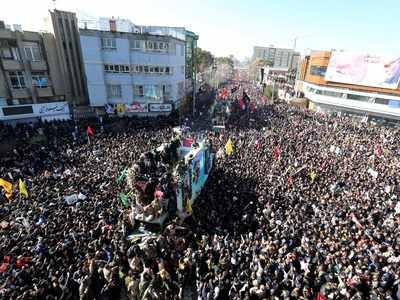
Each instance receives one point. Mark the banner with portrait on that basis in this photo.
(364, 69)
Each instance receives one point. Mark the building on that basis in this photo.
(353, 83)
(191, 64)
(31, 83)
(128, 68)
(66, 32)
(277, 57)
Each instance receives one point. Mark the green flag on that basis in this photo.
(124, 200)
(123, 175)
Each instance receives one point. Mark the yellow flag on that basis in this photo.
(7, 187)
(189, 209)
(229, 147)
(22, 188)
(312, 176)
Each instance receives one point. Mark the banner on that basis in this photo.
(137, 107)
(364, 69)
(52, 108)
(155, 107)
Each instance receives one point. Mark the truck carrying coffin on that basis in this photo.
(166, 182)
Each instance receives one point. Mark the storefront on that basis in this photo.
(35, 112)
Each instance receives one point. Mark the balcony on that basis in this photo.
(12, 64)
(6, 34)
(44, 92)
(38, 65)
(20, 93)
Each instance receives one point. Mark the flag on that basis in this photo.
(124, 199)
(242, 104)
(355, 220)
(312, 176)
(320, 296)
(22, 188)
(123, 175)
(89, 131)
(290, 180)
(229, 147)
(277, 152)
(109, 109)
(258, 145)
(7, 186)
(252, 107)
(187, 142)
(189, 209)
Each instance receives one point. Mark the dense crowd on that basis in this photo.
(307, 205)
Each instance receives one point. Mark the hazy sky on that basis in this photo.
(235, 26)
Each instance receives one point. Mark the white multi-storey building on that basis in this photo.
(146, 70)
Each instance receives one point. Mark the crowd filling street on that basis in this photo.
(305, 207)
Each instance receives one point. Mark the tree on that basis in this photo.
(204, 59)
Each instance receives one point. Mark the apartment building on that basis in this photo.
(278, 57)
(145, 71)
(31, 84)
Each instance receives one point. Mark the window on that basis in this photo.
(149, 45)
(166, 89)
(15, 53)
(40, 80)
(157, 70)
(17, 80)
(116, 68)
(124, 68)
(106, 68)
(162, 70)
(108, 43)
(161, 46)
(382, 101)
(155, 46)
(153, 91)
(32, 51)
(167, 70)
(114, 91)
(138, 90)
(332, 94)
(151, 69)
(136, 44)
(166, 46)
(146, 69)
(318, 70)
(140, 69)
(357, 97)
(6, 53)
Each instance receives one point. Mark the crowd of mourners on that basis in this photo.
(306, 207)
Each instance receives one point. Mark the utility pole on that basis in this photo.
(273, 90)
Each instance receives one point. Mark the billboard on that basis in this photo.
(137, 107)
(154, 107)
(364, 69)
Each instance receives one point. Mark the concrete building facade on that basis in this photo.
(66, 32)
(279, 57)
(133, 68)
(31, 83)
(330, 96)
